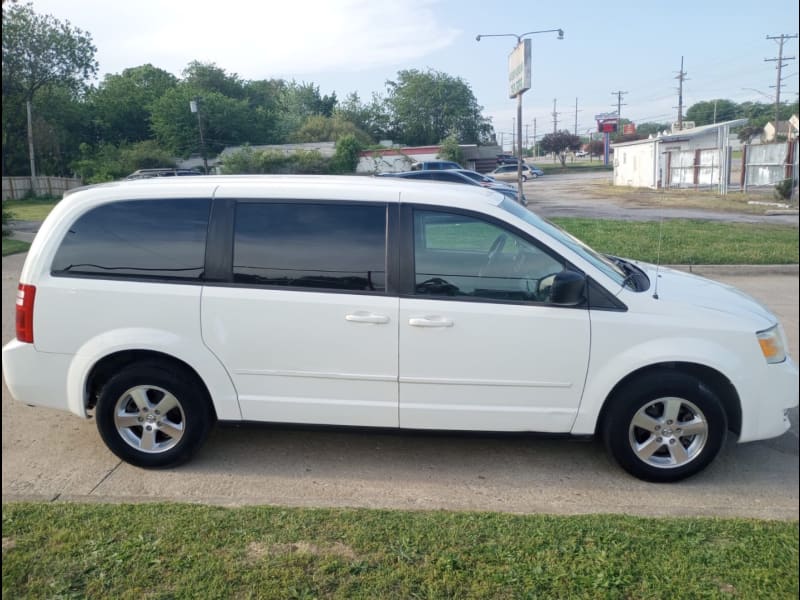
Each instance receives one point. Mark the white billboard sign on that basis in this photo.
(519, 69)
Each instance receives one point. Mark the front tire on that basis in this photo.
(153, 415)
(664, 427)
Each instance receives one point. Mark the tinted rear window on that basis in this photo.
(327, 246)
(137, 238)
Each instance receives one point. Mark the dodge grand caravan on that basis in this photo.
(161, 306)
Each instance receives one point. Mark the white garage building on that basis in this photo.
(697, 157)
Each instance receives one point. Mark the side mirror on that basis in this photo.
(568, 288)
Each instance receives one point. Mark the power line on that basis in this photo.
(681, 77)
(780, 64)
(619, 94)
(555, 117)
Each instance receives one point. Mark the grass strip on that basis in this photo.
(14, 246)
(689, 242)
(193, 551)
(35, 209)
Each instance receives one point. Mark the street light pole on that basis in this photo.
(194, 106)
(519, 93)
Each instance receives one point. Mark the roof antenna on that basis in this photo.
(658, 254)
(660, 237)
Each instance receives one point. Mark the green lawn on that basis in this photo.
(547, 165)
(14, 246)
(689, 242)
(191, 551)
(30, 210)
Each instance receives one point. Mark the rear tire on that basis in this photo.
(153, 415)
(664, 427)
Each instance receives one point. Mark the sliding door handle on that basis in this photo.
(366, 317)
(430, 322)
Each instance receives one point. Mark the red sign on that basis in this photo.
(607, 126)
(629, 128)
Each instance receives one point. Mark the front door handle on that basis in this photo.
(366, 317)
(430, 322)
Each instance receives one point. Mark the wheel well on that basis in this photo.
(112, 364)
(711, 378)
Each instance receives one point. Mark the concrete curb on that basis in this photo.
(744, 270)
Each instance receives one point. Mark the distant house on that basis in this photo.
(784, 129)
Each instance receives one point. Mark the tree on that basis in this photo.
(648, 129)
(226, 121)
(712, 111)
(371, 118)
(450, 149)
(597, 147)
(425, 107)
(41, 51)
(122, 103)
(318, 128)
(560, 143)
(208, 77)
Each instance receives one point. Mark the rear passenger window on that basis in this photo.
(162, 239)
(322, 246)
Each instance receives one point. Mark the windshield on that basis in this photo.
(598, 260)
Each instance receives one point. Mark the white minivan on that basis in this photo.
(161, 306)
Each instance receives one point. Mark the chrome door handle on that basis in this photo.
(430, 322)
(366, 317)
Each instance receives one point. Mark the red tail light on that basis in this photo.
(25, 296)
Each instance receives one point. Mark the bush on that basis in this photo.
(7, 216)
(450, 150)
(311, 162)
(348, 150)
(108, 162)
(783, 189)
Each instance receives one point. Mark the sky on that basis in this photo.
(348, 46)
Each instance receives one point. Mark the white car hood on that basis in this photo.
(693, 291)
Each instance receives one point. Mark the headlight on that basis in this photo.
(771, 344)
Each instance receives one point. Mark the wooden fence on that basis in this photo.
(17, 188)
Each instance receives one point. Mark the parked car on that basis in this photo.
(149, 173)
(161, 306)
(482, 178)
(435, 165)
(457, 176)
(507, 159)
(509, 172)
(581, 153)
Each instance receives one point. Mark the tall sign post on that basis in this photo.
(519, 82)
(607, 123)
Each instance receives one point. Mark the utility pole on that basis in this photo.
(194, 106)
(535, 148)
(527, 142)
(619, 94)
(780, 64)
(681, 77)
(576, 116)
(555, 117)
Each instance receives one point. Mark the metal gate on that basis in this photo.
(693, 168)
(768, 164)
